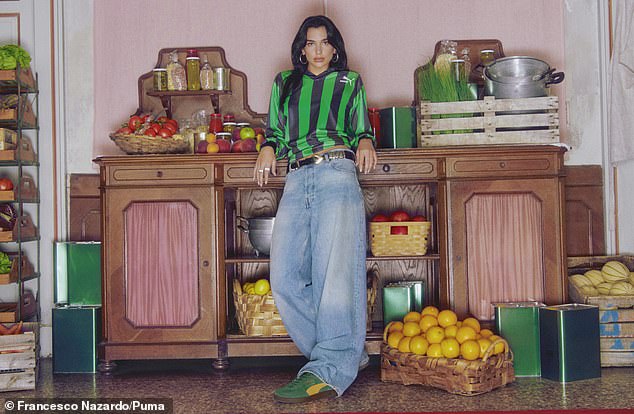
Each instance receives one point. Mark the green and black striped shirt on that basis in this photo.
(327, 110)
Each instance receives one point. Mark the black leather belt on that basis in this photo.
(318, 158)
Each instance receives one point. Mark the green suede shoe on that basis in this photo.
(305, 388)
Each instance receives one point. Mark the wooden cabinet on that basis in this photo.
(439, 183)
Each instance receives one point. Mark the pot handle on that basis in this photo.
(555, 78)
(243, 223)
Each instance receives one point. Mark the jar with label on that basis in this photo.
(228, 127)
(223, 135)
(206, 75)
(176, 77)
(215, 123)
(160, 79)
(229, 118)
(193, 73)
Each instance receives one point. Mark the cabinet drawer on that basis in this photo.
(159, 174)
(390, 169)
(242, 174)
(504, 166)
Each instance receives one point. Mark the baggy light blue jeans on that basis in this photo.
(318, 273)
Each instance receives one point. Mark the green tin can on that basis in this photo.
(76, 333)
(398, 127)
(569, 339)
(399, 298)
(518, 323)
(77, 273)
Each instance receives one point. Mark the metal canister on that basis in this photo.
(222, 79)
(160, 79)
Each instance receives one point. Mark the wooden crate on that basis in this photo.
(489, 121)
(616, 313)
(18, 359)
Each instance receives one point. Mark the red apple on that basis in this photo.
(401, 230)
(248, 145)
(419, 218)
(379, 218)
(224, 145)
(399, 215)
(259, 130)
(236, 146)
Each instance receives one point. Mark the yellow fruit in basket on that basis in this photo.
(412, 317)
(262, 287)
(595, 277)
(465, 333)
(484, 343)
(632, 278)
(450, 348)
(485, 333)
(580, 280)
(403, 344)
(434, 351)
(411, 329)
(394, 338)
(472, 322)
(435, 335)
(250, 289)
(615, 271)
(418, 345)
(589, 290)
(447, 318)
(604, 288)
(450, 331)
(499, 347)
(392, 327)
(430, 310)
(622, 289)
(470, 350)
(247, 285)
(427, 322)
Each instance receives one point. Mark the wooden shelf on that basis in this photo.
(266, 259)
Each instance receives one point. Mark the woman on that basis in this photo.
(318, 120)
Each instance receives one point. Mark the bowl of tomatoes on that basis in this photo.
(146, 134)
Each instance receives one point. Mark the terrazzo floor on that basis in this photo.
(247, 387)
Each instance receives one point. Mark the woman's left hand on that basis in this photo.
(366, 156)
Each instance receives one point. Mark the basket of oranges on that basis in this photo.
(256, 312)
(434, 348)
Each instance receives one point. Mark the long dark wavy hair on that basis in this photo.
(299, 68)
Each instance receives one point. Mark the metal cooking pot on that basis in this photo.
(260, 230)
(519, 77)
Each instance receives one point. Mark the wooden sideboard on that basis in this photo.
(213, 190)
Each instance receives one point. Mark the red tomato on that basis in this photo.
(144, 118)
(172, 122)
(135, 122)
(170, 126)
(399, 215)
(124, 130)
(162, 119)
(150, 132)
(156, 127)
(419, 218)
(5, 184)
(165, 133)
(398, 230)
(377, 218)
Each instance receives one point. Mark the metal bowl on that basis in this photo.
(260, 230)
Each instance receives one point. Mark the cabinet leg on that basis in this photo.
(107, 367)
(221, 364)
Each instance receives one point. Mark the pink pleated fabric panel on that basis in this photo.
(504, 251)
(161, 272)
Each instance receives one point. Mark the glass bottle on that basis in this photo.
(176, 78)
(206, 75)
(464, 55)
(193, 70)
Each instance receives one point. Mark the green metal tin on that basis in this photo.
(77, 273)
(518, 323)
(398, 127)
(76, 333)
(569, 339)
(400, 298)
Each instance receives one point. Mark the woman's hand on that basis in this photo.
(366, 156)
(264, 166)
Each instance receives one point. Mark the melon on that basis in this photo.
(622, 289)
(604, 288)
(580, 280)
(614, 271)
(589, 290)
(595, 276)
(632, 278)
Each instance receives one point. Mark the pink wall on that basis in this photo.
(385, 41)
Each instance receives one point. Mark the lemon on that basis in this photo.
(450, 331)
(403, 345)
(392, 327)
(427, 321)
(412, 317)
(394, 338)
(450, 348)
(470, 350)
(250, 290)
(429, 310)
(411, 329)
(465, 333)
(418, 345)
(499, 347)
(262, 287)
(447, 318)
(435, 335)
(484, 345)
(486, 333)
(434, 351)
(472, 322)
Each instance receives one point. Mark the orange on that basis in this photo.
(394, 338)
(464, 333)
(484, 345)
(412, 317)
(427, 321)
(212, 148)
(450, 348)
(472, 322)
(470, 350)
(262, 287)
(392, 327)
(499, 347)
(403, 345)
(450, 331)
(429, 310)
(418, 345)
(435, 335)
(486, 333)
(211, 137)
(411, 329)
(447, 318)
(434, 351)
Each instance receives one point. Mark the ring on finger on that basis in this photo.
(267, 169)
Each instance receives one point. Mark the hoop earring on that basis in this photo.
(335, 58)
(303, 62)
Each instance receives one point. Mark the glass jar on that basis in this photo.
(193, 73)
(215, 123)
(176, 77)
(375, 123)
(487, 56)
(228, 126)
(446, 53)
(464, 55)
(243, 125)
(160, 79)
(206, 75)
(458, 70)
(224, 135)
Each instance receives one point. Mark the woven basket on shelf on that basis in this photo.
(257, 315)
(454, 375)
(384, 243)
(141, 144)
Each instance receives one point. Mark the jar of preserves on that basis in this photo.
(193, 73)
(228, 126)
(215, 123)
(160, 79)
(224, 135)
(487, 56)
(229, 118)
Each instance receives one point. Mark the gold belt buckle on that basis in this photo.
(318, 158)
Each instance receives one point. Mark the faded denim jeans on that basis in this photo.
(318, 273)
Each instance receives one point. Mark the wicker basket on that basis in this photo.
(257, 315)
(141, 144)
(454, 375)
(384, 243)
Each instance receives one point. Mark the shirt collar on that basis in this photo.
(321, 75)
